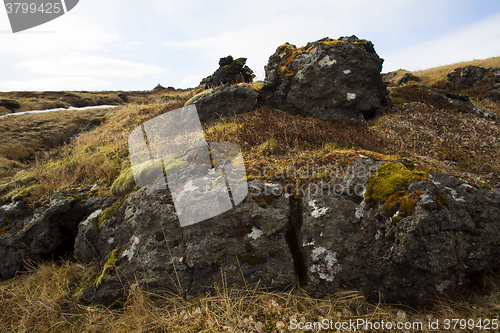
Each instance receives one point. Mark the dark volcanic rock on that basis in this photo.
(225, 101)
(484, 81)
(246, 244)
(229, 71)
(159, 87)
(408, 77)
(451, 234)
(330, 79)
(48, 234)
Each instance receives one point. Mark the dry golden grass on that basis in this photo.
(445, 140)
(41, 301)
(24, 137)
(94, 157)
(62, 99)
(432, 75)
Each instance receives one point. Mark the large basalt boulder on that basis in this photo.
(224, 101)
(229, 71)
(429, 237)
(49, 233)
(484, 80)
(144, 243)
(336, 80)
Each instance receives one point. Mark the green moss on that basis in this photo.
(108, 213)
(125, 183)
(390, 178)
(109, 267)
(196, 97)
(174, 163)
(268, 146)
(331, 42)
(170, 97)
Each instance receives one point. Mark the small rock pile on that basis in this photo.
(229, 71)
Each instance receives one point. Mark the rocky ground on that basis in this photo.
(382, 184)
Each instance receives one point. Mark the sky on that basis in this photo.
(134, 45)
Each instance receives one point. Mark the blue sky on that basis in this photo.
(134, 45)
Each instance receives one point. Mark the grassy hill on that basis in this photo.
(440, 140)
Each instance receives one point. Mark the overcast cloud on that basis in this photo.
(132, 45)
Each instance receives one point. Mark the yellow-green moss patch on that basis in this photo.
(196, 97)
(109, 267)
(108, 213)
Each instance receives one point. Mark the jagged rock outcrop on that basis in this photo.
(429, 236)
(244, 245)
(229, 71)
(47, 234)
(224, 101)
(485, 81)
(389, 229)
(336, 80)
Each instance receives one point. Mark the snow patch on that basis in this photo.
(347, 71)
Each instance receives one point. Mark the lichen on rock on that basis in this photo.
(312, 80)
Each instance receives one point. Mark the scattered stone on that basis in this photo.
(124, 97)
(485, 81)
(408, 77)
(336, 80)
(229, 71)
(47, 234)
(9, 104)
(159, 87)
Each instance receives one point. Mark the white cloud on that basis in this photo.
(55, 83)
(60, 37)
(192, 80)
(93, 66)
(476, 41)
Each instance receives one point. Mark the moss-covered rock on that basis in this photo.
(332, 79)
